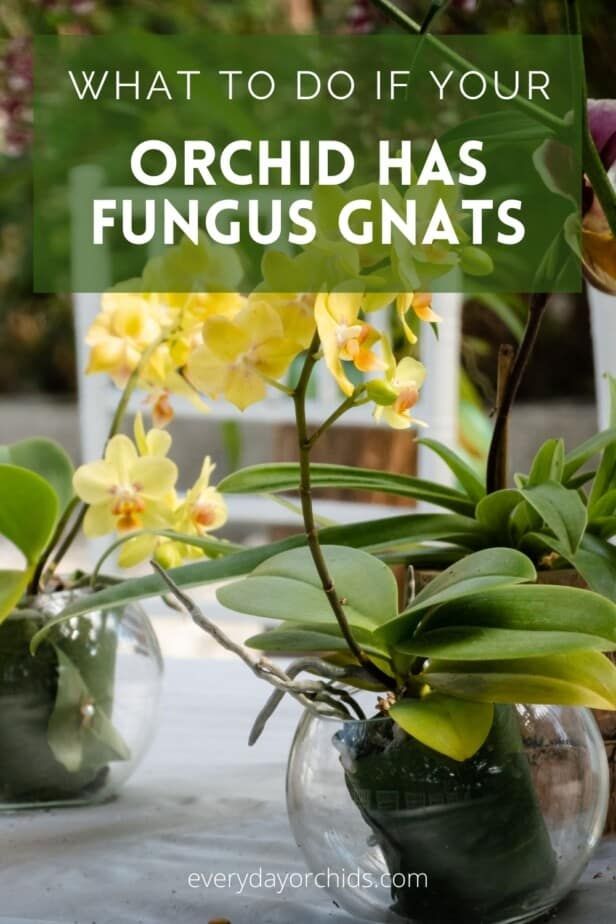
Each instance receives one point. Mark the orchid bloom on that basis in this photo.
(296, 311)
(204, 508)
(161, 379)
(240, 354)
(345, 336)
(120, 334)
(398, 393)
(598, 242)
(421, 304)
(125, 491)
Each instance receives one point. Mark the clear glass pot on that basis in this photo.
(77, 717)
(396, 832)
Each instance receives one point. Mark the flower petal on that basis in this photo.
(99, 521)
(94, 482)
(153, 477)
(121, 453)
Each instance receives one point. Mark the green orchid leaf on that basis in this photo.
(477, 643)
(450, 726)
(271, 479)
(28, 514)
(493, 512)
(47, 459)
(581, 679)
(472, 485)
(288, 587)
(562, 511)
(80, 743)
(604, 527)
(300, 639)
(576, 482)
(523, 520)
(303, 638)
(548, 464)
(595, 560)
(426, 558)
(604, 507)
(586, 451)
(13, 585)
(372, 535)
(531, 608)
(477, 572)
(28, 510)
(605, 480)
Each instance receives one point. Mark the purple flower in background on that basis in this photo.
(599, 244)
(362, 17)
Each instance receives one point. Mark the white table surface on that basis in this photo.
(202, 802)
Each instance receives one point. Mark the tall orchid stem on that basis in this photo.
(49, 561)
(312, 533)
(536, 312)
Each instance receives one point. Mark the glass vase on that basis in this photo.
(77, 716)
(399, 833)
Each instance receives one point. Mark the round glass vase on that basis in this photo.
(396, 832)
(76, 717)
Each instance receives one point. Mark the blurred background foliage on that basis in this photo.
(36, 337)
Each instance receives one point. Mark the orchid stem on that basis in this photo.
(49, 561)
(312, 534)
(351, 402)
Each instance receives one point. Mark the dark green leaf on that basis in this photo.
(271, 479)
(548, 464)
(478, 643)
(472, 485)
(587, 451)
(562, 511)
(493, 512)
(530, 608)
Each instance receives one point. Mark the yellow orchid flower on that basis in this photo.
(345, 336)
(155, 442)
(400, 390)
(296, 312)
(204, 508)
(161, 379)
(421, 304)
(125, 491)
(240, 354)
(125, 327)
